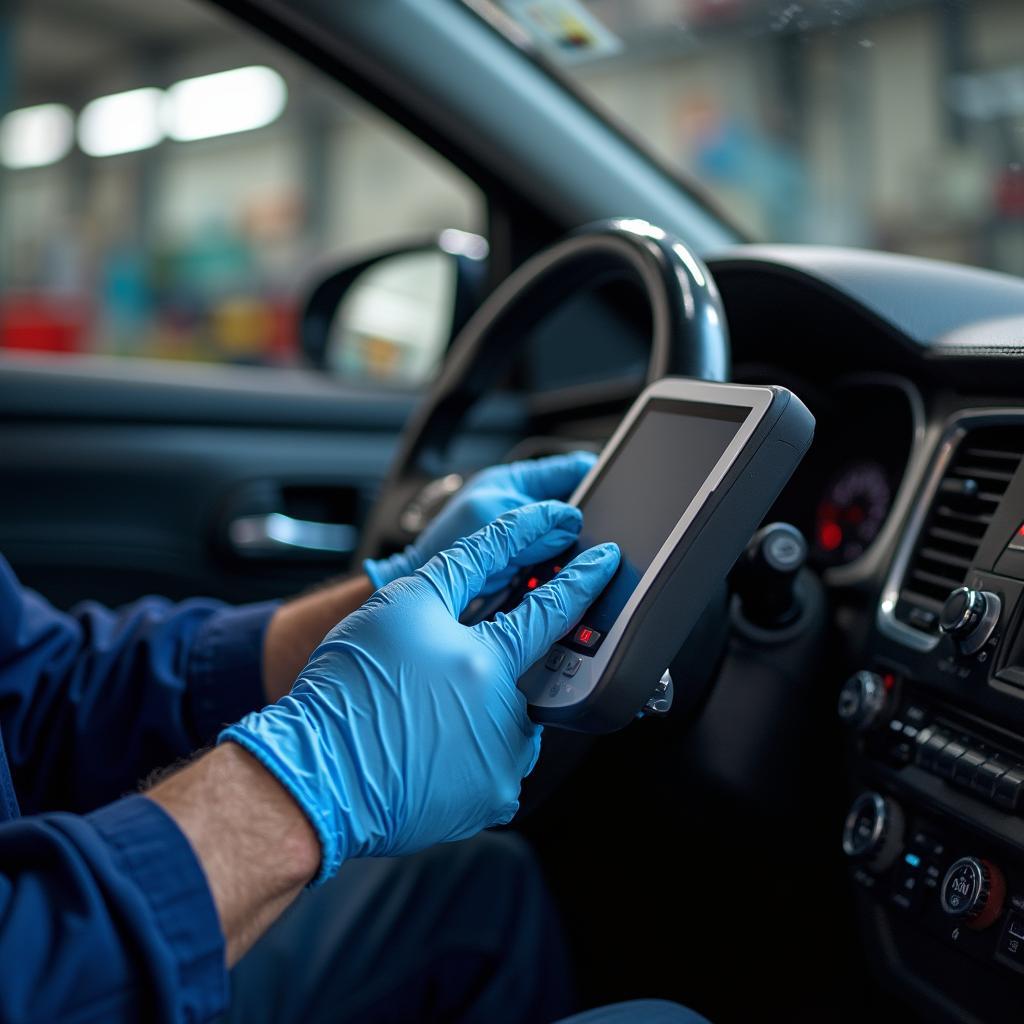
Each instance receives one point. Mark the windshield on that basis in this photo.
(891, 124)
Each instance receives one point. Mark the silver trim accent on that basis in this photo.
(277, 534)
(953, 431)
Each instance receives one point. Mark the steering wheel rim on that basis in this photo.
(689, 337)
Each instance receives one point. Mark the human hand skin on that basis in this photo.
(256, 847)
(299, 625)
(429, 746)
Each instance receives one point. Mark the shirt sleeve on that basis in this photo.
(94, 699)
(107, 918)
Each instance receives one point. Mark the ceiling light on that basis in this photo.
(36, 136)
(121, 123)
(224, 103)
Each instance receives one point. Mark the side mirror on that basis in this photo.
(389, 319)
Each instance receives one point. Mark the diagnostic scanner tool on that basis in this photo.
(681, 486)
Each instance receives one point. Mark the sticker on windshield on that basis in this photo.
(565, 27)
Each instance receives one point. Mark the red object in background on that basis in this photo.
(1010, 193)
(44, 323)
(830, 535)
(284, 342)
(532, 583)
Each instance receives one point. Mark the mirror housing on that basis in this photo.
(390, 317)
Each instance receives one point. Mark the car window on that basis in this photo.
(893, 124)
(169, 180)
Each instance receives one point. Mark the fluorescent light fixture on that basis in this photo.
(224, 103)
(121, 123)
(36, 136)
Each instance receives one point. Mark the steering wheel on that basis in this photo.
(689, 337)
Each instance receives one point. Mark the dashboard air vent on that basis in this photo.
(968, 495)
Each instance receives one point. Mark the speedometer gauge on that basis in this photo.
(851, 513)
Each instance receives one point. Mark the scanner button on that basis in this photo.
(586, 637)
(572, 666)
(553, 662)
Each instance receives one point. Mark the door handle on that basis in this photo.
(274, 533)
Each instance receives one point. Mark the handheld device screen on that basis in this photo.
(640, 495)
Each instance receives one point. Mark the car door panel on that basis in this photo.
(128, 482)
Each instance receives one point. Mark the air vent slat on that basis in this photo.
(947, 583)
(971, 472)
(920, 600)
(945, 512)
(965, 504)
(941, 533)
(992, 453)
(946, 556)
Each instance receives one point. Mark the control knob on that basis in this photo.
(873, 831)
(862, 700)
(969, 617)
(973, 891)
(767, 576)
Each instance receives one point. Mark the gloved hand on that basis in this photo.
(488, 494)
(405, 728)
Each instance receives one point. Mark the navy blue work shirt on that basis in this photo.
(105, 913)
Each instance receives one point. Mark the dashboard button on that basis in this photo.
(924, 842)
(902, 752)
(986, 776)
(1011, 943)
(966, 765)
(572, 666)
(553, 662)
(916, 715)
(1007, 791)
(929, 750)
(585, 636)
(945, 762)
(907, 885)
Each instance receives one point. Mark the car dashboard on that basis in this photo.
(913, 507)
(913, 491)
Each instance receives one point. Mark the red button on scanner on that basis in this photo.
(586, 636)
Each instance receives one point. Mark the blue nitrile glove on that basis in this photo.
(405, 728)
(489, 494)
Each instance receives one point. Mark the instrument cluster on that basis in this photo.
(842, 495)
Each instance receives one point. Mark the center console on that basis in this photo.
(935, 723)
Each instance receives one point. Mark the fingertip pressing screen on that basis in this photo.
(639, 496)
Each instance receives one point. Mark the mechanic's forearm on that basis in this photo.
(298, 626)
(256, 847)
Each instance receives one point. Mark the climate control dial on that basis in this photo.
(969, 617)
(973, 891)
(862, 700)
(873, 831)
